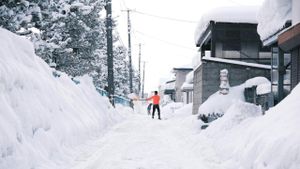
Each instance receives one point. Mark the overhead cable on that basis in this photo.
(164, 17)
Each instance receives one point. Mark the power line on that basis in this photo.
(161, 40)
(235, 2)
(164, 17)
(120, 39)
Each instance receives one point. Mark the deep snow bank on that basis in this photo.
(42, 117)
(218, 103)
(243, 138)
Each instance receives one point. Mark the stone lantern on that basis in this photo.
(224, 82)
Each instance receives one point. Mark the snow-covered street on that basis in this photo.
(71, 96)
(143, 143)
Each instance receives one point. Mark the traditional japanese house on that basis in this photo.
(227, 39)
(279, 29)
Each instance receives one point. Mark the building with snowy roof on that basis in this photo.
(168, 89)
(227, 39)
(180, 77)
(279, 28)
(187, 88)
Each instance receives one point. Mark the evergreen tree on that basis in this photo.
(71, 36)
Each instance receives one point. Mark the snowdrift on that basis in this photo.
(217, 104)
(243, 138)
(42, 117)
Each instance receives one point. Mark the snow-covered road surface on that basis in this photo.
(142, 143)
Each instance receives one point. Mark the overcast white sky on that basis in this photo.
(166, 43)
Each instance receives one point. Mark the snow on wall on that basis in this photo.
(240, 14)
(236, 62)
(43, 117)
(272, 17)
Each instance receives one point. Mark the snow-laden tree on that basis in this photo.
(74, 33)
(70, 36)
(19, 16)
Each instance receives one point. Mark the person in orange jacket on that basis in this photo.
(155, 99)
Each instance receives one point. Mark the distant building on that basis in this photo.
(187, 88)
(180, 76)
(168, 90)
(228, 39)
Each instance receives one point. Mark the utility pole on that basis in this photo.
(129, 50)
(143, 80)
(140, 55)
(110, 65)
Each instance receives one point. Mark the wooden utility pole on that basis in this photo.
(143, 86)
(140, 55)
(110, 65)
(129, 49)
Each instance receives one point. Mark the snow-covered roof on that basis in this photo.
(263, 88)
(240, 14)
(187, 86)
(183, 68)
(236, 62)
(170, 85)
(256, 81)
(272, 17)
(189, 78)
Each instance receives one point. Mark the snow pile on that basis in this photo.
(256, 81)
(169, 110)
(245, 139)
(235, 114)
(263, 88)
(219, 103)
(262, 83)
(272, 17)
(42, 117)
(189, 79)
(240, 14)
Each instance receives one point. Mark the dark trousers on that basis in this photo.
(156, 106)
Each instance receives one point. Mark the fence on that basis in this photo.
(117, 99)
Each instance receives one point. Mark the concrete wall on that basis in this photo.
(206, 79)
(187, 97)
(197, 95)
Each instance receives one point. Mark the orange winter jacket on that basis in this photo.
(155, 99)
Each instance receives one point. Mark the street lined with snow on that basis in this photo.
(143, 143)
